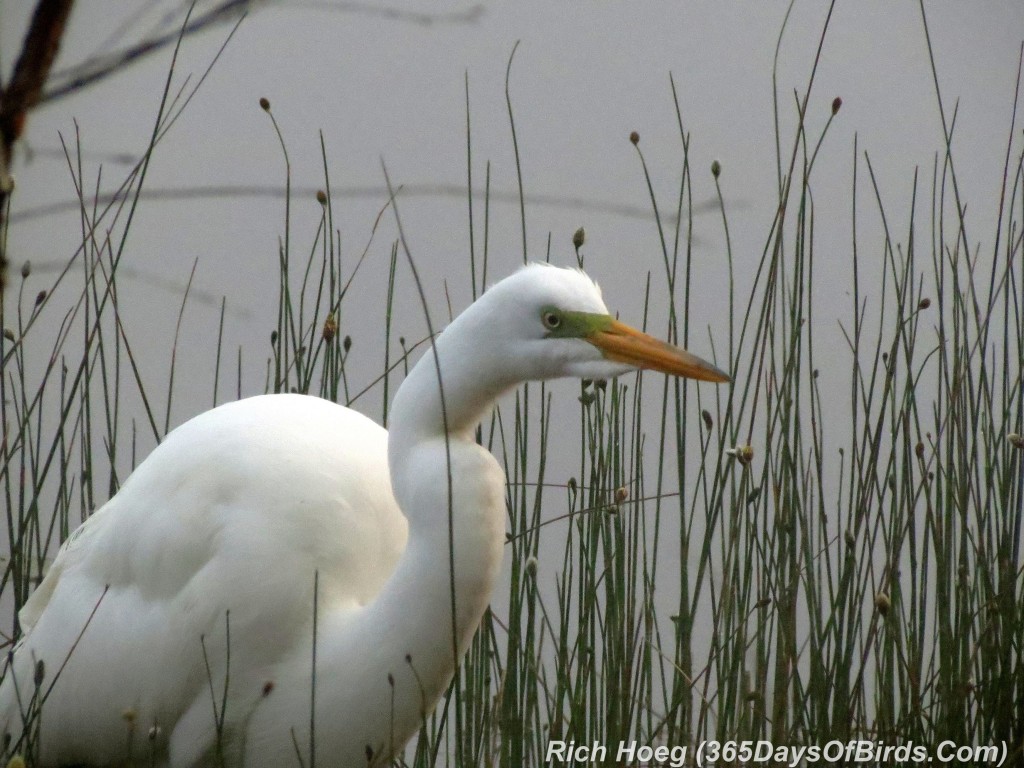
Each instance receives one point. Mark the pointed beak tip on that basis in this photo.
(625, 344)
(721, 377)
(709, 373)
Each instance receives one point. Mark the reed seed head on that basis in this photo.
(706, 416)
(744, 454)
(882, 603)
(330, 328)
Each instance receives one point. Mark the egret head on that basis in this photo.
(545, 322)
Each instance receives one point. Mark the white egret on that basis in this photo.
(222, 528)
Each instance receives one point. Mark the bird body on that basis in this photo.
(227, 514)
(184, 607)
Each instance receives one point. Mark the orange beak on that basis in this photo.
(624, 344)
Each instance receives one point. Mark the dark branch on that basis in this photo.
(99, 68)
(37, 55)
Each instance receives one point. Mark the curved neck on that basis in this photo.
(452, 492)
(420, 412)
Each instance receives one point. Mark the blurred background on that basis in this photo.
(581, 111)
(387, 83)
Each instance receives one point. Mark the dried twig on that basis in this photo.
(37, 54)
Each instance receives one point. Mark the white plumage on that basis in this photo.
(225, 524)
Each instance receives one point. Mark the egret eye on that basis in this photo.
(551, 319)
